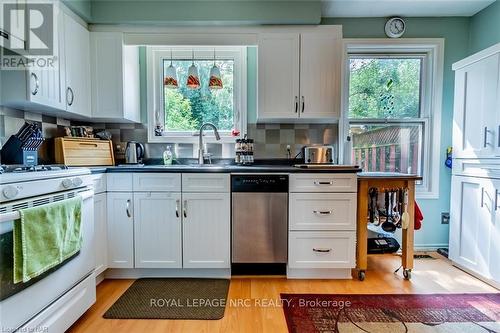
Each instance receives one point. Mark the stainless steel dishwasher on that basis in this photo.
(259, 218)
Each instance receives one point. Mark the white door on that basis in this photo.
(470, 220)
(206, 230)
(101, 233)
(120, 230)
(320, 72)
(278, 62)
(45, 85)
(495, 233)
(77, 54)
(475, 125)
(157, 230)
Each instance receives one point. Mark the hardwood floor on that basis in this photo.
(429, 276)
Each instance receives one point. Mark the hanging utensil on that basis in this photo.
(388, 226)
(405, 219)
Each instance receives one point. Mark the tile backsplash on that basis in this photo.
(271, 140)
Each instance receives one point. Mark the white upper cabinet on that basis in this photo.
(320, 66)
(63, 90)
(115, 78)
(77, 54)
(278, 78)
(476, 123)
(300, 75)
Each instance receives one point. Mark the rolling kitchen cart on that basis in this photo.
(381, 181)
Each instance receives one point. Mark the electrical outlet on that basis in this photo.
(445, 218)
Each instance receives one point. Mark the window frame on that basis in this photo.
(432, 52)
(155, 94)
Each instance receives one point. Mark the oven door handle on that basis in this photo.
(11, 216)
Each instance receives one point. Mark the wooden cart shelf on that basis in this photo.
(384, 180)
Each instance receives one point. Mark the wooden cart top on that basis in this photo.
(387, 175)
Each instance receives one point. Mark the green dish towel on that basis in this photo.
(45, 236)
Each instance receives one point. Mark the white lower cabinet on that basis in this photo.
(474, 225)
(322, 249)
(322, 225)
(206, 230)
(101, 233)
(120, 230)
(157, 230)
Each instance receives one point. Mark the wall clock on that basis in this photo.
(395, 27)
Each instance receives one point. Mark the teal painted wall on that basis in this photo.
(81, 8)
(485, 28)
(455, 32)
(191, 12)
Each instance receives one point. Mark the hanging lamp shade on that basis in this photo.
(193, 79)
(170, 79)
(215, 78)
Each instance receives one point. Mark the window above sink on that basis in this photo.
(175, 115)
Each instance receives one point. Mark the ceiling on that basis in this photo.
(415, 8)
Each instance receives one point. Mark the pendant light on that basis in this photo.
(215, 77)
(193, 80)
(170, 80)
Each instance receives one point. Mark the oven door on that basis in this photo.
(23, 301)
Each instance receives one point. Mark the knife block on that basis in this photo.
(13, 153)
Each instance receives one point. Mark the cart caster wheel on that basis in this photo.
(407, 274)
(361, 275)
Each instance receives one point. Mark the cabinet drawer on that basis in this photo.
(157, 182)
(322, 211)
(99, 182)
(119, 182)
(202, 182)
(326, 249)
(323, 182)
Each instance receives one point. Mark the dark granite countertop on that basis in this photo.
(214, 168)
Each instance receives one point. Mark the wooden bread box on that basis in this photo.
(84, 152)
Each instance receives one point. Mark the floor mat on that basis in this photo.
(457, 313)
(178, 298)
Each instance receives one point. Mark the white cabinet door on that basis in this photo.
(476, 127)
(495, 233)
(77, 54)
(157, 230)
(107, 78)
(278, 63)
(101, 233)
(120, 230)
(206, 230)
(470, 220)
(44, 86)
(320, 68)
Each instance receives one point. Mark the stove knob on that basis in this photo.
(67, 183)
(10, 192)
(77, 181)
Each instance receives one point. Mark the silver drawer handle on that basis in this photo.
(177, 203)
(184, 208)
(323, 183)
(34, 78)
(322, 250)
(128, 208)
(322, 212)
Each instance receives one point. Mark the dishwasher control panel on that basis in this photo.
(259, 183)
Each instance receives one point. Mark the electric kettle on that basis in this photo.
(134, 152)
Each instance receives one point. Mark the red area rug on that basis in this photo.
(450, 313)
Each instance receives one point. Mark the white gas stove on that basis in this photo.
(17, 182)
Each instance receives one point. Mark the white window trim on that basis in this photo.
(154, 56)
(433, 68)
